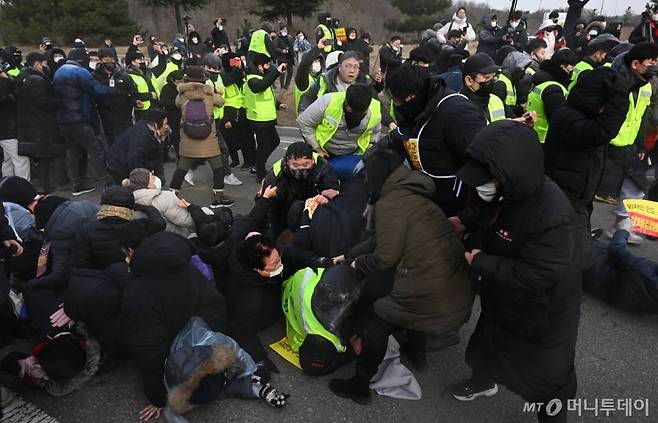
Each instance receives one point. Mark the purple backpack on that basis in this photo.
(196, 123)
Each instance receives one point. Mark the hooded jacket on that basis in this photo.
(531, 286)
(456, 23)
(159, 301)
(552, 96)
(75, 89)
(432, 292)
(115, 111)
(178, 218)
(515, 65)
(209, 147)
(490, 38)
(136, 148)
(8, 107)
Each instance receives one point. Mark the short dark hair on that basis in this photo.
(517, 14)
(454, 33)
(154, 115)
(299, 150)
(251, 252)
(407, 79)
(641, 52)
(35, 57)
(565, 56)
(534, 44)
(62, 357)
(358, 97)
(395, 38)
(260, 59)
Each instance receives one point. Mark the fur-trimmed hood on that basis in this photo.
(195, 90)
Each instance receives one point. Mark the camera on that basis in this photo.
(4, 66)
(186, 19)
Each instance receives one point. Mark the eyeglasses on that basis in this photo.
(348, 66)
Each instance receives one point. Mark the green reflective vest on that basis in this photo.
(536, 104)
(296, 303)
(529, 70)
(257, 43)
(142, 88)
(299, 93)
(13, 72)
(329, 47)
(333, 115)
(218, 85)
(631, 125)
(496, 108)
(233, 96)
(261, 107)
(323, 86)
(510, 91)
(162, 79)
(577, 70)
(276, 167)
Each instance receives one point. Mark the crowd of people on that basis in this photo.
(419, 184)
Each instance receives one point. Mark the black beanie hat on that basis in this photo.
(45, 209)
(118, 196)
(106, 52)
(62, 357)
(15, 189)
(79, 55)
(591, 91)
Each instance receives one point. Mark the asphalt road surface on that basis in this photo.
(616, 359)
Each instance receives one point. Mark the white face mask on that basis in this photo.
(316, 68)
(58, 59)
(494, 24)
(177, 56)
(93, 65)
(284, 33)
(276, 272)
(157, 182)
(513, 24)
(220, 27)
(654, 16)
(488, 191)
(301, 37)
(195, 40)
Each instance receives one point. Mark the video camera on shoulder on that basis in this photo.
(4, 66)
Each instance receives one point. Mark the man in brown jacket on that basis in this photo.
(432, 289)
(198, 135)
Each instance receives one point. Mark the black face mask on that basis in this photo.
(652, 70)
(486, 88)
(142, 67)
(408, 112)
(109, 66)
(46, 71)
(300, 174)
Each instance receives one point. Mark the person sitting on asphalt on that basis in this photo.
(299, 175)
(341, 126)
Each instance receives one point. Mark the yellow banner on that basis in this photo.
(283, 348)
(411, 145)
(644, 214)
(341, 34)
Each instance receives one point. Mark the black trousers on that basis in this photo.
(285, 78)
(267, 140)
(82, 142)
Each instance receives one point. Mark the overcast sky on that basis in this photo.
(610, 7)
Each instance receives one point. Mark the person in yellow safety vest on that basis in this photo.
(479, 79)
(622, 176)
(15, 59)
(234, 126)
(299, 175)
(338, 78)
(536, 50)
(549, 89)
(318, 304)
(342, 126)
(213, 65)
(261, 43)
(145, 95)
(309, 72)
(325, 30)
(595, 54)
(174, 63)
(261, 106)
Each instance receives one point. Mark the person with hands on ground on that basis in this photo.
(530, 290)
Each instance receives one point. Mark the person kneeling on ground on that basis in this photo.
(301, 174)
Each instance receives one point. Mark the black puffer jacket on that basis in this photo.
(531, 286)
(7, 109)
(115, 111)
(37, 114)
(75, 89)
(578, 136)
(134, 148)
(164, 294)
(98, 244)
(446, 133)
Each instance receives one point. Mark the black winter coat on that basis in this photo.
(37, 114)
(446, 134)
(389, 59)
(7, 109)
(285, 43)
(164, 294)
(136, 147)
(552, 97)
(115, 111)
(98, 243)
(576, 143)
(531, 285)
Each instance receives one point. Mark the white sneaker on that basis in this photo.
(189, 177)
(232, 180)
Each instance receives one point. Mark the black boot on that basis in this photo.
(356, 389)
(416, 357)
